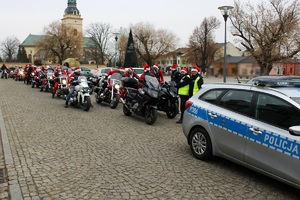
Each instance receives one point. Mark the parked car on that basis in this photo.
(139, 71)
(83, 70)
(257, 126)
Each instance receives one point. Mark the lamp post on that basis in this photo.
(75, 56)
(225, 12)
(116, 48)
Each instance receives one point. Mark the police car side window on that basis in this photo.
(211, 96)
(277, 112)
(237, 101)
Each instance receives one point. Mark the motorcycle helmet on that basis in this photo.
(77, 88)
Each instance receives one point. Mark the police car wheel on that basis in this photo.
(200, 144)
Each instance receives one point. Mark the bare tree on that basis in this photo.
(151, 43)
(269, 31)
(100, 35)
(60, 42)
(202, 42)
(10, 48)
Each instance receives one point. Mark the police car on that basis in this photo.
(257, 126)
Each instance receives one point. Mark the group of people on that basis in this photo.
(187, 84)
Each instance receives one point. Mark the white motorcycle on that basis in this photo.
(81, 95)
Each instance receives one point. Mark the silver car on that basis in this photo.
(257, 126)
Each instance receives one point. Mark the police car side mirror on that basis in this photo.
(295, 130)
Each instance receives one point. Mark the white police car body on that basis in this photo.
(257, 126)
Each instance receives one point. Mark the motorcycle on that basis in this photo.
(63, 87)
(20, 75)
(111, 94)
(168, 101)
(48, 82)
(81, 95)
(93, 82)
(37, 78)
(4, 74)
(142, 101)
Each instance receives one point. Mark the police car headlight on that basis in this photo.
(64, 82)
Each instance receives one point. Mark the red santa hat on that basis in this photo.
(77, 69)
(184, 70)
(173, 67)
(155, 66)
(130, 69)
(195, 69)
(146, 67)
(122, 69)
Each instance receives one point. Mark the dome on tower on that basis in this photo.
(72, 9)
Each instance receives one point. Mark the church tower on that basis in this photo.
(72, 17)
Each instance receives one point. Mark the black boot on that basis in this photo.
(66, 105)
(180, 120)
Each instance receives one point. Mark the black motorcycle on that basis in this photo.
(142, 101)
(168, 101)
(111, 93)
(93, 81)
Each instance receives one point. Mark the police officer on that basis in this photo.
(183, 91)
(196, 81)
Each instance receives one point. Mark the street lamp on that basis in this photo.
(75, 55)
(225, 12)
(116, 48)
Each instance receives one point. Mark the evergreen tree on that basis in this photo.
(130, 55)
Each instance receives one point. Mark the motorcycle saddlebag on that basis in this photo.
(130, 82)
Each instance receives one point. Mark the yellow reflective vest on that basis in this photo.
(185, 89)
(196, 88)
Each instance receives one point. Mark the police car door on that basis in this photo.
(228, 121)
(270, 146)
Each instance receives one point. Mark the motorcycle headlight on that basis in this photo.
(117, 86)
(32, 74)
(21, 73)
(64, 82)
(86, 89)
(51, 77)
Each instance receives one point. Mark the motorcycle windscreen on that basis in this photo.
(83, 81)
(117, 76)
(153, 86)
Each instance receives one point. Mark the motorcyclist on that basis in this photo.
(175, 74)
(109, 73)
(3, 68)
(72, 80)
(146, 72)
(158, 73)
(30, 69)
(56, 74)
(131, 73)
(45, 71)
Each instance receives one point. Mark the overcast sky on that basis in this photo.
(20, 18)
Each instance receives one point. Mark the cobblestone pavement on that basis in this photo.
(59, 153)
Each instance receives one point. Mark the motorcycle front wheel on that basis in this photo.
(150, 115)
(115, 101)
(126, 111)
(172, 110)
(87, 104)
